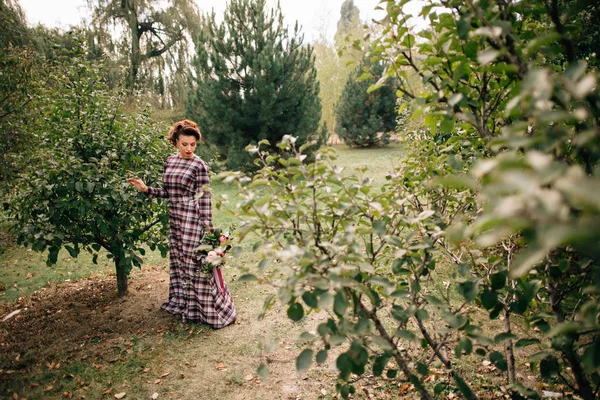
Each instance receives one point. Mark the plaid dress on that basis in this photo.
(195, 297)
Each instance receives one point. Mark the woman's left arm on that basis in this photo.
(203, 195)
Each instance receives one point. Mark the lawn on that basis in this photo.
(73, 338)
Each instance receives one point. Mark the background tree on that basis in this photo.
(363, 118)
(253, 80)
(74, 195)
(152, 33)
(19, 70)
(335, 61)
(14, 26)
(330, 77)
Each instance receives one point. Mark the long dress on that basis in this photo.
(197, 298)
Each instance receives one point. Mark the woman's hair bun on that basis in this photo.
(186, 128)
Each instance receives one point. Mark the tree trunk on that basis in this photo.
(121, 278)
(510, 355)
(134, 58)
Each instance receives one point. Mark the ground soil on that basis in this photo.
(86, 321)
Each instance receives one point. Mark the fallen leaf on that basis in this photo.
(165, 375)
(220, 367)
(68, 395)
(48, 388)
(107, 391)
(146, 369)
(15, 396)
(220, 342)
(154, 396)
(34, 385)
(249, 377)
(120, 395)
(157, 381)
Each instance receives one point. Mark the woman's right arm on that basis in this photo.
(149, 191)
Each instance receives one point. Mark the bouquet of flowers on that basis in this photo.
(213, 246)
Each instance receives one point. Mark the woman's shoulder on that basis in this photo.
(200, 163)
(172, 157)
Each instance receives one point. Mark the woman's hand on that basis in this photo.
(139, 184)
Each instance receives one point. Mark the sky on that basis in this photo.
(316, 17)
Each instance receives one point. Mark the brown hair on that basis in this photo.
(186, 128)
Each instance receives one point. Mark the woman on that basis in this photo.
(185, 183)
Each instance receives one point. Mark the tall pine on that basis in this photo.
(253, 80)
(366, 119)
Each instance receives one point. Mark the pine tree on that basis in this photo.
(253, 81)
(365, 119)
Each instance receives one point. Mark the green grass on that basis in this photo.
(379, 162)
(24, 271)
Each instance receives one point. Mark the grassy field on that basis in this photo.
(76, 339)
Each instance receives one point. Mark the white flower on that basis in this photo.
(212, 256)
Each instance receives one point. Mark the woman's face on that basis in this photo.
(186, 146)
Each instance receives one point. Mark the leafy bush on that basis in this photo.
(491, 219)
(74, 195)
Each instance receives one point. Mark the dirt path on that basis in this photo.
(84, 323)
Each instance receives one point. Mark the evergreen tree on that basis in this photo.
(253, 81)
(365, 119)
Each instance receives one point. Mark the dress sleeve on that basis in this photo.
(158, 192)
(203, 195)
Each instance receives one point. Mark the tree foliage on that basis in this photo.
(491, 218)
(14, 26)
(151, 39)
(336, 61)
(253, 80)
(365, 118)
(74, 194)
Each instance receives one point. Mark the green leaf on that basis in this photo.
(379, 227)
(379, 365)
(263, 371)
(524, 342)
(340, 304)
(564, 328)
(498, 280)
(304, 360)
(247, 278)
(501, 337)
(321, 356)
(295, 312)
(549, 366)
(525, 260)
(498, 359)
(469, 289)
(406, 334)
(465, 346)
(487, 56)
(72, 252)
(310, 299)
(489, 299)
(463, 26)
